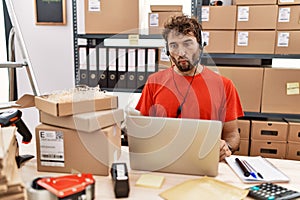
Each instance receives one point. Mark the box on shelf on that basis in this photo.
(281, 91)
(163, 60)
(254, 2)
(244, 148)
(111, 16)
(294, 131)
(254, 42)
(288, 17)
(213, 17)
(257, 17)
(72, 151)
(159, 14)
(287, 42)
(288, 2)
(250, 94)
(269, 130)
(244, 129)
(293, 151)
(219, 41)
(75, 105)
(268, 149)
(87, 122)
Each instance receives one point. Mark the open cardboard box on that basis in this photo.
(69, 108)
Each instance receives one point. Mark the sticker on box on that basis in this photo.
(292, 88)
(52, 148)
(283, 39)
(94, 5)
(284, 14)
(205, 14)
(153, 19)
(205, 36)
(243, 38)
(243, 13)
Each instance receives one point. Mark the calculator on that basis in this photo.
(270, 191)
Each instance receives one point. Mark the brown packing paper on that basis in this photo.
(204, 188)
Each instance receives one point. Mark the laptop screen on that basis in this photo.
(174, 145)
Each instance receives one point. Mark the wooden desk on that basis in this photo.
(104, 189)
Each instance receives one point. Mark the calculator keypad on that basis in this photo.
(269, 191)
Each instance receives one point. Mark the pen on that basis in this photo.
(250, 166)
(243, 167)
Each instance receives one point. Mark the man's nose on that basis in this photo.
(181, 51)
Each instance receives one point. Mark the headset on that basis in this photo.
(202, 44)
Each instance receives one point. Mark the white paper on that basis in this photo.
(269, 172)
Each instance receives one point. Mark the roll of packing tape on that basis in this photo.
(36, 192)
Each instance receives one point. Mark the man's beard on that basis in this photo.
(183, 64)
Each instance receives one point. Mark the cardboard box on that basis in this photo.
(250, 94)
(254, 2)
(163, 60)
(288, 2)
(294, 131)
(219, 41)
(111, 16)
(281, 91)
(256, 17)
(166, 8)
(157, 20)
(288, 17)
(293, 151)
(268, 149)
(69, 108)
(287, 42)
(72, 151)
(269, 130)
(213, 17)
(254, 42)
(244, 129)
(159, 14)
(87, 122)
(244, 148)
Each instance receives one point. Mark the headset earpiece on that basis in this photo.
(167, 50)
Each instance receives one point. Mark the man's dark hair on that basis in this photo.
(184, 25)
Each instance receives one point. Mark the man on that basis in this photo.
(190, 90)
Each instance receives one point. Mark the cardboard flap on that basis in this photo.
(26, 101)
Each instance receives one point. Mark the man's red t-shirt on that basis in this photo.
(210, 96)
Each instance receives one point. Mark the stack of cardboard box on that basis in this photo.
(78, 136)
(269, 138)
(288, 27)
(255, 26)
(218, 23)
(11, 186)
(293, 146)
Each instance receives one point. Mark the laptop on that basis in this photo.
(174, 145)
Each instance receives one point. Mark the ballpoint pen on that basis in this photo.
(243, 167)
(249, 168)
(253, 170)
